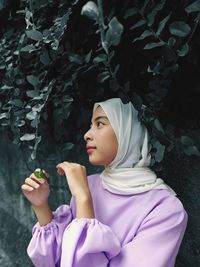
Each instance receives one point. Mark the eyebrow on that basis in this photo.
(100, 117)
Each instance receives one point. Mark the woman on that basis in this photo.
(125, 216)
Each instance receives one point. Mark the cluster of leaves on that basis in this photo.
(64, 54)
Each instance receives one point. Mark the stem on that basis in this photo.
(102, 25)
(195, 27)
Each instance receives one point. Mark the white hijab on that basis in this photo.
(128, 173)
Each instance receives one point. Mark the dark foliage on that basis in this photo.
(59, 57)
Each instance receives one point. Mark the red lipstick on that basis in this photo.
(90, 149)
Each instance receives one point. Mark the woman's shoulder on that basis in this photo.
(164, 202)
(93, 180)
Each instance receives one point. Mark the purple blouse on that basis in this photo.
(138, 230)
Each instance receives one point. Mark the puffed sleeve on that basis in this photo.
(44, 248)
(88, 242)
(157, 241)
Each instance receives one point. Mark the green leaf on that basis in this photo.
(28, 48)
(44, 57)
(113, 34)
(88, 57)
(100, 58)
(160, 149)
(32, 79)
(4, 115)
(179, 28)
(75, 58)
(130, 12)
(27, 137)
(162, 24)
(158, 126)
(194, 7)
(103, 76)
(32, 93)
(172, 41)
(18, 103)
(144, 35)
(191, 151)
(31, 115)
(34, 35)
(90, 10)
(151, 16)
(186, 140)
(37, 141)
(67, 147)
(138, 24)
(184, 50)
(144, 6)
(153, 45)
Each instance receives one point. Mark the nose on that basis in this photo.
(87, 135)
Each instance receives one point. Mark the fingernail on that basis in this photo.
(37, 186)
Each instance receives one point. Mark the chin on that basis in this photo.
(96, 162)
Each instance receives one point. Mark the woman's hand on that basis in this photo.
(76, 178)
(36, 190)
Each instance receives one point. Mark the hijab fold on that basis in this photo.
(129, 173)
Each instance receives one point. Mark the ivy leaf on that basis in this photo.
(27, 137)
(28, 48)
(34, 35)
(162, 24)
(172, 41)
(158, 126)
(90, 10)
(32, 79)
(191, 150)
(144, 6)
(103, 76)
(44, 57)
(184, 50)
(37, 141)
(186, 140)
(138, 24)
(17, 103)
(4, 115)
(67, 147)
(32, 93)
(130, 12)
(179, 28)
(31, 115)
(194, 7)
(88, 57)
(151, 16)
(153, 45)
(100, 58)
(113, 34)
(144, 35)
(160, 149)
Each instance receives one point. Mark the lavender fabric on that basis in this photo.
(139, 230)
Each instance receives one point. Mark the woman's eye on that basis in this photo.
(99, 123)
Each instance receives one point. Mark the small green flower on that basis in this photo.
(40, 174)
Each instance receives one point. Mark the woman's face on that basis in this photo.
(101, 138)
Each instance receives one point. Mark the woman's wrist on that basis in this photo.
(84, 206)
(43, 213)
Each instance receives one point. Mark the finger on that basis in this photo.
(26, 188)
(60, 168)
(36, 179)
(60, 171)
(29, 181)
